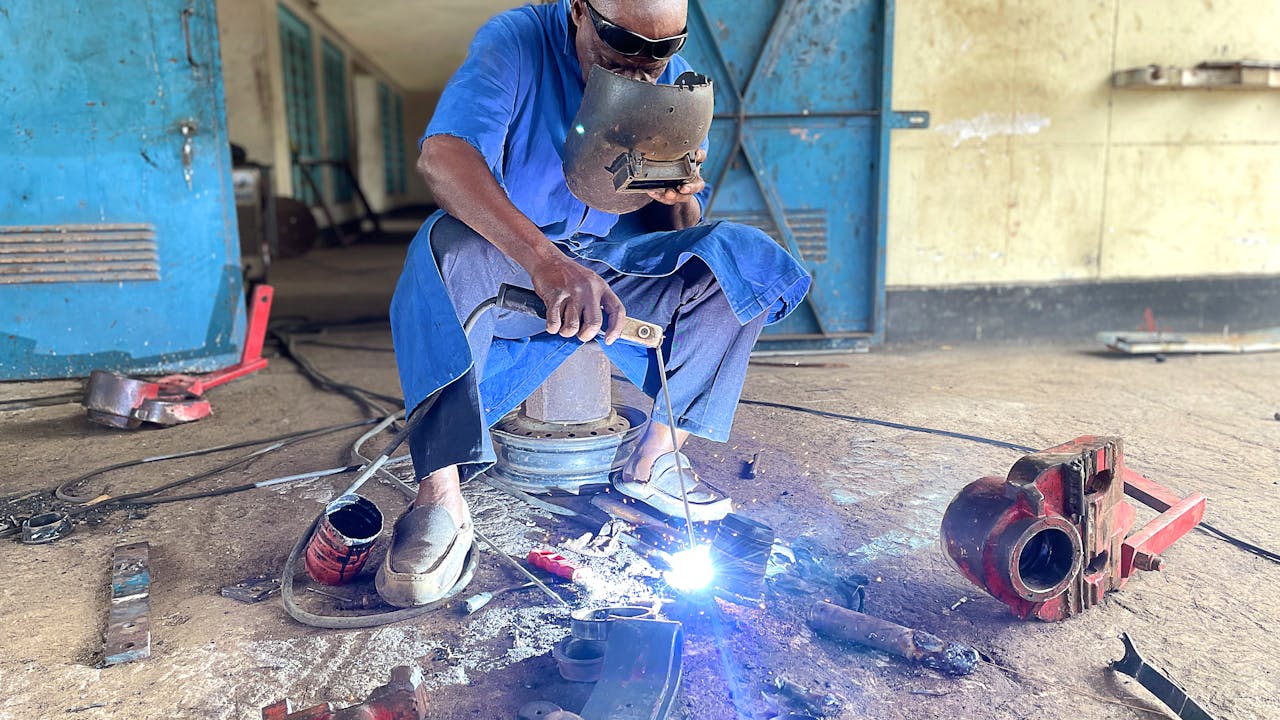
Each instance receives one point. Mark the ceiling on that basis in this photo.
(419, 43)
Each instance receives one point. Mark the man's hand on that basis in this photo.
(685, 192)
(574, 296)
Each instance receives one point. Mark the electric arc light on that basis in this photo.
(691, 570)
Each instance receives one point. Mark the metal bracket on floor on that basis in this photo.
(129, 621)
(642, 669)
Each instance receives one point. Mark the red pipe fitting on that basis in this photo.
(1052, 538)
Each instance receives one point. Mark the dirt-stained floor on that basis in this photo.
(870, 498)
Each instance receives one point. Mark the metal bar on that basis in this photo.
(510, 561)
(129, 621)
(88, 227)
(772, 44)
(77, 277)
(304, 169)
(259, 312)
(1143, 547)
(1152, 494)
(882, 175)
(802, 114)
(75, 237)
(55, 256)
(918, 646)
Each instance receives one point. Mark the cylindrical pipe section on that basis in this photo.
(916, 645)
(1038, 557)
(343, 539)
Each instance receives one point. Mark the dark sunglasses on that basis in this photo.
(625, 42)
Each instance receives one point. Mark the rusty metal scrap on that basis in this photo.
(403, 698)
(929, 650)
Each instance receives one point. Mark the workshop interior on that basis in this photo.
(1011, 456)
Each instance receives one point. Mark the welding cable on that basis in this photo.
(348, 346)
(63, 491)
(218, 492)
(889, 424)
(368, 400)
(389, 476)
(1203, 527)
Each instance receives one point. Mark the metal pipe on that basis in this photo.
(915, 645)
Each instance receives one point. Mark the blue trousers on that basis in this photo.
(707, 347)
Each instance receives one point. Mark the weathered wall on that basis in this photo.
(1036, 170)
(251, 102)
(418, 109)
(254, 81)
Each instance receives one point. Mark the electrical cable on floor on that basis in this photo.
(349, 346)
(63, 491)
(889, 424)
(370, 401)
(41, 401)
(1202, 527)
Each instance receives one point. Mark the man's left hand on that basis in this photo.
(685, 192)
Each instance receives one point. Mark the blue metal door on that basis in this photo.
(799, 146)
(118, 244)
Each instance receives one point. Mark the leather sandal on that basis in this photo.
(662, 491)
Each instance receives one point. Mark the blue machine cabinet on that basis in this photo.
(800, 145)
(118, 241)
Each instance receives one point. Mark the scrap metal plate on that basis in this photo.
(129, 622)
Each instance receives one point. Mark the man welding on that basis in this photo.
(492, 156)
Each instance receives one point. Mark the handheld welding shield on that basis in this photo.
(631, 137)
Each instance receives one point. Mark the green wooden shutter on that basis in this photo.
(335, 109)
(299, 96)
(391, 109)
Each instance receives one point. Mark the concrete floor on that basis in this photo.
(872, 497)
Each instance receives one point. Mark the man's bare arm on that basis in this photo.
(461, 182)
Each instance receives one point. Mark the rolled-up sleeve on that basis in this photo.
(479, 102)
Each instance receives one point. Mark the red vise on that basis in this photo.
(1053, 538)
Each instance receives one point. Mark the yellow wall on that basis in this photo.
(254, 81)
(1035, 169)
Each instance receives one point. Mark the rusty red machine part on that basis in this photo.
(129, 403)
(1053, 538)
(403, 698)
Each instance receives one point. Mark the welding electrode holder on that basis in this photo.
(527, 302)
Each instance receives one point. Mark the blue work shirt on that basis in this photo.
(513, 100)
